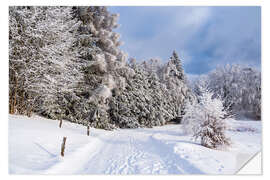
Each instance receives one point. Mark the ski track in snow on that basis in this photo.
(159, 150)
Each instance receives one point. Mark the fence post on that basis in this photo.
(63, 146)
(88, 130)
(60, 124)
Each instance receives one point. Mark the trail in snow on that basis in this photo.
(124, 152)
(127, 152)
(159, 150)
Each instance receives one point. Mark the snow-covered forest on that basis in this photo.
(65, 63)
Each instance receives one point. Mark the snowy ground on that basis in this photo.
(34, 148)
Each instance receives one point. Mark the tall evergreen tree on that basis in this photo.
(58, 74)
(178, 64)
(172, 75)
(98, 48)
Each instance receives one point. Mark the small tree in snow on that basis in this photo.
(206, 120)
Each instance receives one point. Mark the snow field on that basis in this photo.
(34, 148)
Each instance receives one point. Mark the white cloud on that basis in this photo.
(192, 17)
(201, 35)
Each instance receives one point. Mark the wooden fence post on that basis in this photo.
(63, 146)
(88, 130)
(60, 124)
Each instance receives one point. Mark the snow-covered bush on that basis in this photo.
(206, 120)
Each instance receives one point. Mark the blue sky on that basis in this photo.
(204, 37)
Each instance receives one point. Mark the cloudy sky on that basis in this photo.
(204, 37)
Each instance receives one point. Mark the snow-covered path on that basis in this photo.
(159, 150)
(124, 152)
(129, 152)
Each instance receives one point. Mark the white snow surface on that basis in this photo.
(35, 143)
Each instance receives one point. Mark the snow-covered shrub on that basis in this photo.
(192, 116)
(206, 120)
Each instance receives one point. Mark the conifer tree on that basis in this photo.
(178, 64)
(141, 102)
(98, 48)
(172, 75)
(59, 73)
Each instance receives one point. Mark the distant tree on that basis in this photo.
(178, 64)
(238, 86)
(153, 65)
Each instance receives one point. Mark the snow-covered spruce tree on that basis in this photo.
(178, 64)
(98, 48)
(153, 65)
(140, 102)
(206, 120)
(59, 71)
(145, 100)
(172, 75)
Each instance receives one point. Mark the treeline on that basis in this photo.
(238, 86)
(65, 63)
